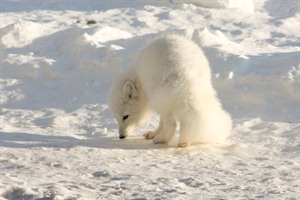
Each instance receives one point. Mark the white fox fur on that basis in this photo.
(172, 77)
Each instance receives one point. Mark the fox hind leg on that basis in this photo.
(168, 131)
(186, 131)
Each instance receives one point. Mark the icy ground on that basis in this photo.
(58, 139)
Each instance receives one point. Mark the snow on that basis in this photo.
(245, 5)
(59, 140)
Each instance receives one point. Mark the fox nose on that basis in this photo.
(122, 137)
(122, 133)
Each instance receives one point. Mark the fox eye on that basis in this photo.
(125, 117)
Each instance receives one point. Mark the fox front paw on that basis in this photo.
(150, 135)
(183, 144)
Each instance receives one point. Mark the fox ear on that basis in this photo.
(129, 90)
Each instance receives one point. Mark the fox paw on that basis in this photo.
(159, 140)
(150, 135)
(183, 145)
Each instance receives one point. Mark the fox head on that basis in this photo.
(129, 106)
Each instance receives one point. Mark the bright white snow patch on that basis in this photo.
(21, 33)
(244, 5)
(107, 34)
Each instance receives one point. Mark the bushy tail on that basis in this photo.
(211, 126)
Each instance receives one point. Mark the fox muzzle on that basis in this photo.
(122, 133)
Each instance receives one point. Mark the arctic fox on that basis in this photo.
(171, 77)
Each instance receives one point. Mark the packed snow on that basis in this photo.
(59, 140)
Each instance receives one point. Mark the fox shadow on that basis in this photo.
(31, 140)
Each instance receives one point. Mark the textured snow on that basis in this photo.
(59, 140)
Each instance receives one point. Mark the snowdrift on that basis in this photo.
(75, 66)
(245, 5)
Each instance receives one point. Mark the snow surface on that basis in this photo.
(59, 140)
